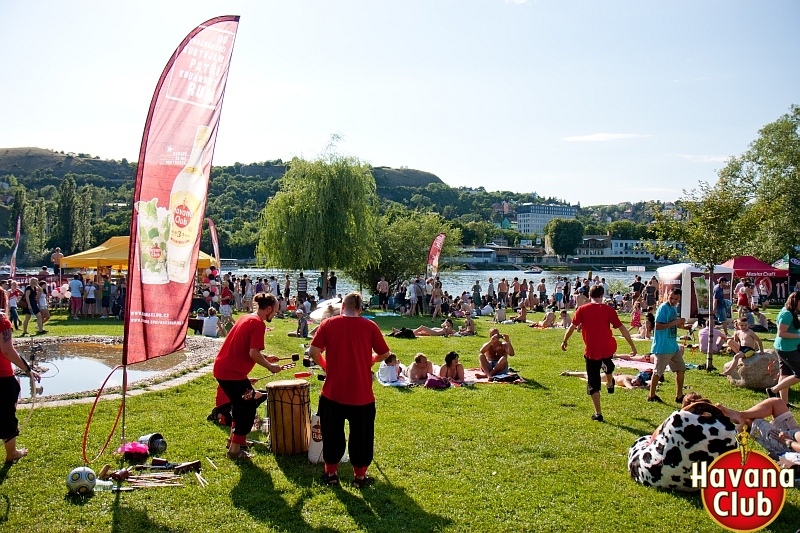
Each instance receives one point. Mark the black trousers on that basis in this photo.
(9, 393)
(243, 412)
(362, 431)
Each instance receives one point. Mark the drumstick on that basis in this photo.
(283, 367)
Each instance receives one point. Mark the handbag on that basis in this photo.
(435, 382)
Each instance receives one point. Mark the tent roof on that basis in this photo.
(114, 254)
(749, 267)
(681, 267)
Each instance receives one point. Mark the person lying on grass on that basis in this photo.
(419, 369)
(621, 380)
(390, 370)
(778, 436)
(548, 321)
(445, 331)
(468, 329)
(494, 354)
(452, 369)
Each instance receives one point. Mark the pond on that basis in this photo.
(83, 366)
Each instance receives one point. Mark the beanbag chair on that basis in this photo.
(685, 437)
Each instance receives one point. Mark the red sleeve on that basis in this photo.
(319, 337)
(379, 345)
(614, 318)
(257, 337)
(577, 318)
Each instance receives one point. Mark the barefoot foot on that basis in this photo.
(17, 455)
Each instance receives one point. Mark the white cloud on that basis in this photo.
(601, 137)
(704, 158)
(518, 2)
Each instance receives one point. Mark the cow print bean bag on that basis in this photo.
(685, 437)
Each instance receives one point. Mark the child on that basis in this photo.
(302, 325)
(744, 343)
(390, 370)
(636, 316)
(646, 331)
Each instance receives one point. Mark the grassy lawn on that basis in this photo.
(485, 458)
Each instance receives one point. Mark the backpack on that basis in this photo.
(22, 302)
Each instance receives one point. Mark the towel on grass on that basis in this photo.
(638, 365)
(403, 383)
(471, 377)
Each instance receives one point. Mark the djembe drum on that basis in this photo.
(288, 407)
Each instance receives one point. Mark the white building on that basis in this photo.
(532, 218)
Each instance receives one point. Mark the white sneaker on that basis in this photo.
(104, 316)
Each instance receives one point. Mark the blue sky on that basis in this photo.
(589, 101)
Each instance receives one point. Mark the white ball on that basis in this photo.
(213, 283)
(64, 288)
(81, 480)
(215, 299)
(206, 293)
(208, 271)
(67, 294)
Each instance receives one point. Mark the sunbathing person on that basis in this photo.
(419, 369)
(468, 328)
(548, 321)
(445, 331)
(452, 369)
(499, 314)
(522, 316)
(566, 320)
(646, 358)
(743, 343)
(778, 436)
(494, 354)
(621, 380)
(390, 370)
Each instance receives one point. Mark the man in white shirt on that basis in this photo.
(76, 296)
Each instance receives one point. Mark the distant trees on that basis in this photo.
(565, 235)
(403, 246)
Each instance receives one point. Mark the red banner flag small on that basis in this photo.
(433, 255)
(214, 239)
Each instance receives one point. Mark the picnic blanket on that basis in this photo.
(638, 365)
(471, 377)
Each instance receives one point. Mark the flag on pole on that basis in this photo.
(16, 245)
(171, 188)
(433, 255)
(214, 239)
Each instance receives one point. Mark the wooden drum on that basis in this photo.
(289, 411)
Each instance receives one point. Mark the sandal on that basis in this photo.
(330, 479)
(362, 482)
(241, 454)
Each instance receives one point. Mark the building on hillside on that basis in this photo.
(532, 218)
(616, 250)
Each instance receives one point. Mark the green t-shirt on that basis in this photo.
(106, 289)
(786, 345)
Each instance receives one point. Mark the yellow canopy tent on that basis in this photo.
(114, 254)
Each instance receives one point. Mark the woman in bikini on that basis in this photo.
(452, 369)
(445, 331)
(436, 300)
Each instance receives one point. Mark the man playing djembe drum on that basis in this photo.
(348, 341)
(239, 354)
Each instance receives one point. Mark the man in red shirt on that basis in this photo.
(595, 319)
(348, 341)
(239, 354)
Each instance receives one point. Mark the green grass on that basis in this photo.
(485, 458)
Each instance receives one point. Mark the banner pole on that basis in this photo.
(124, 391)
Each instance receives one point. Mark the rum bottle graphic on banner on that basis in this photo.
(187, 196)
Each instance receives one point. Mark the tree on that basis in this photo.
(406, 238)
(565, 235)
(322, 217)
(707, 223)
(35, 229)
(64, 224)
(623, 229)
(767, 176)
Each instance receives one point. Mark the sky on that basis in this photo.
(590, 101)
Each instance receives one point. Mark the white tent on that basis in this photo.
(695, 297)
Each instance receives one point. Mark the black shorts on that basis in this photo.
(106, 301)
(90, 301)
(789, 363)
(593, 367)
(383, 298)
(9, 393)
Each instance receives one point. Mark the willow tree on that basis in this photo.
(707, 221)
(323, 217)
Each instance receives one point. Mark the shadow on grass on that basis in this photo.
(532, 384)
(130, 519)
(633, 431)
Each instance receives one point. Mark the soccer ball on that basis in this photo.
(81, 480)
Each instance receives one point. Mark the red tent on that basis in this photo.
(750, 267)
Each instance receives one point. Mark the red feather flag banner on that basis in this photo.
(433, 255)
(171, 189)
(214, 239)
